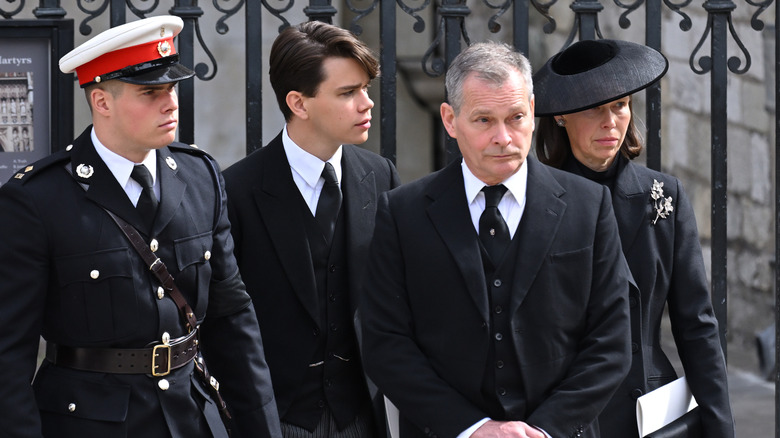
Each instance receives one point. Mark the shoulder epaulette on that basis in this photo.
(189, 148)
(26, 173)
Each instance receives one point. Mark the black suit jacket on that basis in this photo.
(426, 316)
(69, 274)
(273, 251)
(666, 262)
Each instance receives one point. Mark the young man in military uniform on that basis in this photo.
(121, 349)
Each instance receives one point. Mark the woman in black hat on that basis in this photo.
(586, 126)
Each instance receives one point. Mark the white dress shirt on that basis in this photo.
(511, 205)
(121, 168)
(307, 170)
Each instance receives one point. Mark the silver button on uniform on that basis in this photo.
(72, 407)
(160, 292)
(207, 255)
(94, 274)
(154, 245)
(164, 384)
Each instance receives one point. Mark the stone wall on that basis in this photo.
(686, 154)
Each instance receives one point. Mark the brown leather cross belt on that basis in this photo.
(157, 361)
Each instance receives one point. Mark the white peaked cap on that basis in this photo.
(141, 52)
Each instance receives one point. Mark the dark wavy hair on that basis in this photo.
(553, 146)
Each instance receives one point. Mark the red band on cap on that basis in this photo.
(122, 58)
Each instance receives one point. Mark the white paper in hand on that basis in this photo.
(658, 408)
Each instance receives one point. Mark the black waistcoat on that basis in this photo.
(335, 376)
(502, 384)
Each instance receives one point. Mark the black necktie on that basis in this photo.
(147, 202)
(493, 231)
(330, 202)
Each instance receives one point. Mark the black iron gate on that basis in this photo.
(448, 29)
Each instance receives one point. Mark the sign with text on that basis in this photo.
(30, 92)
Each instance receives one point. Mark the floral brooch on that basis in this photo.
(663, 206)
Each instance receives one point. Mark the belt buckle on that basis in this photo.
(155, 354)
(155, 264)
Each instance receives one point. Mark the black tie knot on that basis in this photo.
(493, 194)
(142, 176)
(329, 174)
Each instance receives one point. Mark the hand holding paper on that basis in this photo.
(658, 408)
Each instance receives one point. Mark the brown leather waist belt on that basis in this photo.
(157, 361)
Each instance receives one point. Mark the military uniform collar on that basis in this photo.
(120, 166)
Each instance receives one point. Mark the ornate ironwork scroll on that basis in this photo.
(6, 13)
(718, 11)
(359, 15)
(222, 27)
(141, 12)
(544, 9)
(493, 24)
(84, 27)
(277, 12)
(419, 23)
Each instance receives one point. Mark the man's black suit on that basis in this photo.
(69, 273)
(427, 319)
(268, 214)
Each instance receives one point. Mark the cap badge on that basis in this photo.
(84, 171)
(171, 163)
(164, 48)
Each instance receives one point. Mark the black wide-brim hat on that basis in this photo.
(593, 72)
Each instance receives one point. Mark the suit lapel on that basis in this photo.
(101, 186)
(278, 202)
(359, 188)
(450, 216)
(543, 212)
(631, 205)
(171, 189)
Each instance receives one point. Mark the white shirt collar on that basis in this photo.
(308, 166)
(120, 166)
(516, 184)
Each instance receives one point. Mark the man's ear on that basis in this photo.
(101, 101)
(448, 118)
(296, 101)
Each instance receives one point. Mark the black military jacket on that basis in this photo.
(69, 274)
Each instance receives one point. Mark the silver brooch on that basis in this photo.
(663, 206)
(171, 163)
(84, 171)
